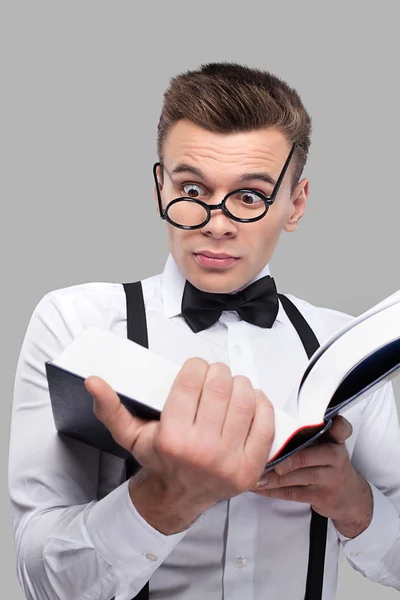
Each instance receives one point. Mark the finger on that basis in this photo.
(319, 455)
(214, 400)
(340, 430)
(108, 408)
(262, 430)
(239, 415)
(308, 476)
(182, 402)
(291, 494)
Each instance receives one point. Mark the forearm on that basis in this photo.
(100, 550)
(47, 568)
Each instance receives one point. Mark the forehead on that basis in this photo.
(220, 153)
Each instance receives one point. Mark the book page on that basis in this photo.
(352, 347)
(285, 427)
(130, 369)
(387, 302)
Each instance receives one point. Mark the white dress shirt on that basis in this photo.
(78, 535)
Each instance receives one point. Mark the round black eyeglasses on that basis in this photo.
(238, 205)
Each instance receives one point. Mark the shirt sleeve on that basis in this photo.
(376, 551)
(69, 544)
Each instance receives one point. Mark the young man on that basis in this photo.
(200, 519)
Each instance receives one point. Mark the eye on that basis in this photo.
(192, 190)
(250, 198)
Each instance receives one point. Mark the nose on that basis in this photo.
(219, 225)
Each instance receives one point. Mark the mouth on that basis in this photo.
(215, 260)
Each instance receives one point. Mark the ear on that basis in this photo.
(299, 199)
(158, 175)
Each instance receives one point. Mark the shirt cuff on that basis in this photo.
(367, 550)
(124, 539)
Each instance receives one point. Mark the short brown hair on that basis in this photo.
(228, 98)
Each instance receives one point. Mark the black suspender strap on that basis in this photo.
(136, 326)
(319, 524)
(306, 334)
(136, 323)
(137, 331)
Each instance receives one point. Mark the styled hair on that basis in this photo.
(229, 98)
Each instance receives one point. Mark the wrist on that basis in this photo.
(166, 507)
(358, 515)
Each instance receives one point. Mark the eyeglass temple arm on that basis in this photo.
(283, 172)
(161, 210)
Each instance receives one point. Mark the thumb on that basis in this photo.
(105, 399)
(107, 407)
(340, 430)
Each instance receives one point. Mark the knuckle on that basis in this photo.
(303, 459)
(167, 447)
(243, 398)
(189, 382)
(243, 403)
(266, 433)
(107, 417)
(281, 480)
(218, 386)
(263, 401)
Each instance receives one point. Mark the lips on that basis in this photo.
(213, 260)
(215, 255)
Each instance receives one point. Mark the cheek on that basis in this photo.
(177, 239)
(265, 231)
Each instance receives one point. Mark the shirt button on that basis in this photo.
(380, 579)
(354, 553)
(151, 557)
(240, 562)
(238, 350)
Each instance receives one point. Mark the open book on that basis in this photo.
(354, 362)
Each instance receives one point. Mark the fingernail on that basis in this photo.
(262, 482)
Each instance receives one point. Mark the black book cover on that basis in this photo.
(73, 414)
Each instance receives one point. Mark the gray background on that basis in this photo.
(82, 85)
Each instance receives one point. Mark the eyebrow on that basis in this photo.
(260, 176)
(186, 168)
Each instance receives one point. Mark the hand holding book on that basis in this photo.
(324, 477)
(211, 443)
(349, 366)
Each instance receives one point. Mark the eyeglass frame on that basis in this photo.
(268, 200)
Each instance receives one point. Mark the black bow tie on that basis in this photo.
(257, 304)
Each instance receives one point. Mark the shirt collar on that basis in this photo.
(173, 283)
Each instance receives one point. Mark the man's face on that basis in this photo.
(223, 160)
